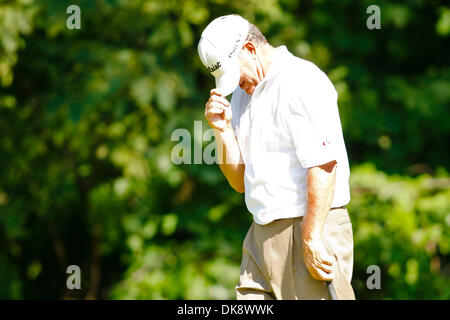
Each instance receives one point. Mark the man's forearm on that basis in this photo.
(321, 184)
(230, 158)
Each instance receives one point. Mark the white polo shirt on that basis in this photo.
(290, 123)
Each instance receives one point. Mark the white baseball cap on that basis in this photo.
(218, 48)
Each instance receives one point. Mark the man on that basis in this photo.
(282, 144)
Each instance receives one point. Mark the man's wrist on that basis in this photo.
(310, 234)
(227, 130)
(311, 238)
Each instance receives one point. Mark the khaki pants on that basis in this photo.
(273, 266)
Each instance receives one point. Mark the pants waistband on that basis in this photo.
(341, 207)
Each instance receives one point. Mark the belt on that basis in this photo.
(341, 207)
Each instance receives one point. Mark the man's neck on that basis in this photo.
(265, 59)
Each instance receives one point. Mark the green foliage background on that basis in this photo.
(86, 118)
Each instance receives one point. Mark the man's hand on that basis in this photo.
(317, 260)
(218, 111)
(218, 115)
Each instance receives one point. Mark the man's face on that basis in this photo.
(249, 76)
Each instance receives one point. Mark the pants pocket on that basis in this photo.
(338, 240)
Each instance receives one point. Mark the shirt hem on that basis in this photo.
(284, 213)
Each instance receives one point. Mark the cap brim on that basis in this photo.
(229, 80)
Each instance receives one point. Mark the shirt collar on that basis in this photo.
(279, 57)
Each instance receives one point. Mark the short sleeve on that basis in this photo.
(311, 109)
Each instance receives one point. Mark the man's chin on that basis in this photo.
(250, 90)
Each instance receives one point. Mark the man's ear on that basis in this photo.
(250, 48)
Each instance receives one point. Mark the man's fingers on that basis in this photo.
(328, 260)
(214, 111)
(325, 267)
(320, 265)
(216, 91)
(220, 100)
(319, 274)
(215, 105)
(319, 262)
(217, 95)
(325, 276)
